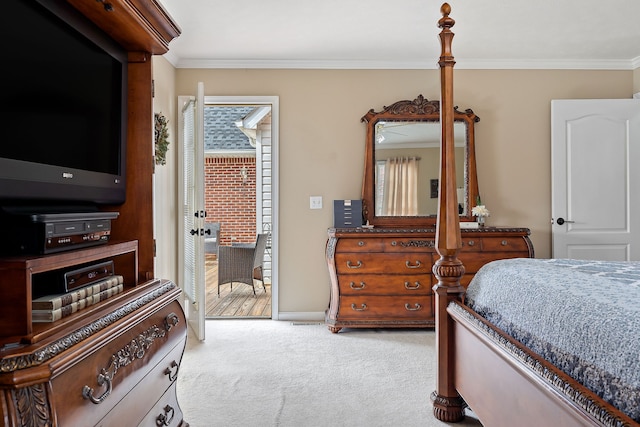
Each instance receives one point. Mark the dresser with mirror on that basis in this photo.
(381, 273)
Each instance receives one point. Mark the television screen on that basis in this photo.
(64, 107)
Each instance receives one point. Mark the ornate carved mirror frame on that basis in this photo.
(417, 113)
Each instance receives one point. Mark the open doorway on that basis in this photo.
(239, 199)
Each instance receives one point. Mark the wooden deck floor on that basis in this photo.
(239, 303)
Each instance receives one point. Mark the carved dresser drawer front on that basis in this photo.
(166, 412)
(360, 245)
(471, 244)
(473, 262)
(406, 245)
(149, 392)
(386, 307)
(88, 386)
(504, 244)
(399, 244)
(378, 284)
(390, 263)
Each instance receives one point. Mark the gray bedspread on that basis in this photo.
(583, 316)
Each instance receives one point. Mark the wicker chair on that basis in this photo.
(212, 237)
(242, 263)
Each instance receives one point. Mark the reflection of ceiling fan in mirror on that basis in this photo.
(411, 134)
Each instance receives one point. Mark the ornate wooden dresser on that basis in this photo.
(381, 277)
(111, 364)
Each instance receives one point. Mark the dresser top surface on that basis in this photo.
(426, 232)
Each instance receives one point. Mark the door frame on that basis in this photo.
(274, 103)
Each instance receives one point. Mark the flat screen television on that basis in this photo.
(64, 106)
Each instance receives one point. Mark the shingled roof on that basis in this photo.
(220, 131)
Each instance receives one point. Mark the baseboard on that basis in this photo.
(300, 316)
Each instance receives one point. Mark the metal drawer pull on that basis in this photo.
(135, 349)
(503, 243)
(353, 285)
(418, 264)
(170, 321)
(362, 307)
(163, 419)
(172, 371)
(471, 242)
(103, 378)
(415, 307)
(408, 285)
(358, 265)
(360, 243)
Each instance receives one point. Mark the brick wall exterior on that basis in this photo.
(230, 200)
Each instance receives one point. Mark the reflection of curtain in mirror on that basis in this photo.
(401, 187)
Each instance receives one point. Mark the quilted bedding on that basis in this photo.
(582, 316)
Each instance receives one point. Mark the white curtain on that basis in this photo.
(401, 187)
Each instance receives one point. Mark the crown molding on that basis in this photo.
(545, 64)
(468, 64)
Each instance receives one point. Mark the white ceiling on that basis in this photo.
(403, 34)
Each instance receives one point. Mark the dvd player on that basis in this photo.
(49, 233)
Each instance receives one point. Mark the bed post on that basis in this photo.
(448, 406)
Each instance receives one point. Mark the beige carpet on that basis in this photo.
(262, 373)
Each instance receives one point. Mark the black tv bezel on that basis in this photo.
(31, 183)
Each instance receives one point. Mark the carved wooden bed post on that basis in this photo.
(448, 406)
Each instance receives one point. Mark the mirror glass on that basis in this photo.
(407, 157)
(402, 166)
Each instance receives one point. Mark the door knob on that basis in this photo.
(561, 221)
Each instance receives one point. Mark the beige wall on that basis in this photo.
(322, 146)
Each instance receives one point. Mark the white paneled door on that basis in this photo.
(193, 213)
(595, 152)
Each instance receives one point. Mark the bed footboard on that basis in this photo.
(506, 384)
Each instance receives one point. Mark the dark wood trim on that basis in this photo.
(447, 404)
(137, 25)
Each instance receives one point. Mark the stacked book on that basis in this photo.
(50, 308)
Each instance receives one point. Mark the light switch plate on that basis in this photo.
(315, 202)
